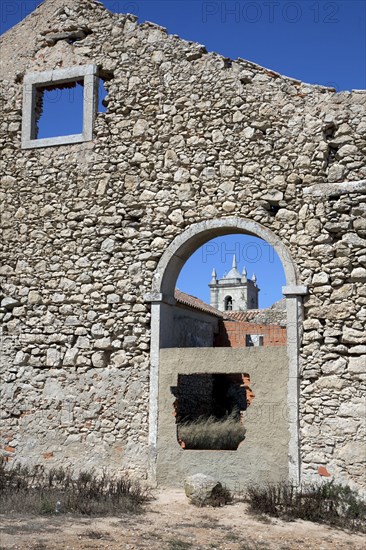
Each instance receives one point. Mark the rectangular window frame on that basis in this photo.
(87, 73)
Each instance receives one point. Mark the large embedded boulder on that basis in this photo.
(203, 490)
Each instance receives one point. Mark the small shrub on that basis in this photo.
(219, 497)
(212, 433)
(177, 544)
(232, 536)
(91, 534)
(59, 491)
(328, 503)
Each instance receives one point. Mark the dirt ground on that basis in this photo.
(171, 523)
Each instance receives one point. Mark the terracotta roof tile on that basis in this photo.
(243, 315)
(261, 316)
(196, 303)
(268, 316)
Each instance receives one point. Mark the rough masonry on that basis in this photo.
(187, 137)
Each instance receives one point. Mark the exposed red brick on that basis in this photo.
(250, 395)
(233, 334)
(322, 471)
(48, 455)
(9, 449)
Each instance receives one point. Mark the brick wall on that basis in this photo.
(234, 334)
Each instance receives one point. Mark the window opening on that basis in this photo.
(59, 106)
(209, 410)
(228, 303)
(59, 110)
(254, 340)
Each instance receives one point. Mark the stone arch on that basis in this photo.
(164, 281)
(198, 234)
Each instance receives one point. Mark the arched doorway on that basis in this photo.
(162, 296)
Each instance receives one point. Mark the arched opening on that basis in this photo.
(234, 261)
(169, 363)
(228, 303)
(191, 239)
(237, 281)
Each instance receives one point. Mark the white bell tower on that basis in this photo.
(234, 292)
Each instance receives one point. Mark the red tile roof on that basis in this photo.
(268, 316)
(247, 315)
(272, 315)
(196, 303)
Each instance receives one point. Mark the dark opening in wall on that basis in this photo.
(209, 410)
(254, 340)
(273, 209)
(228, 303)
(59, 109)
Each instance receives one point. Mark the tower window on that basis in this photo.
(228, 303)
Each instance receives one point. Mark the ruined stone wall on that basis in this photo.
(191, 328)
(187, 136)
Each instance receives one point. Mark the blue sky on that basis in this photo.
(316, 41)
(251, 252)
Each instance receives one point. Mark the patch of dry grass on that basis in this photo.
(329, 503)
(212, 433)
(57, 491)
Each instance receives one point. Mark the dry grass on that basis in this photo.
(58, 491)
(212, 433)
(178, 544)
(329, 503)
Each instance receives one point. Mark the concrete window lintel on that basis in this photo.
(58, 75)
(87, 73)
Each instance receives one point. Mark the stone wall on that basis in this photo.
(191, 328)
(187, 136)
